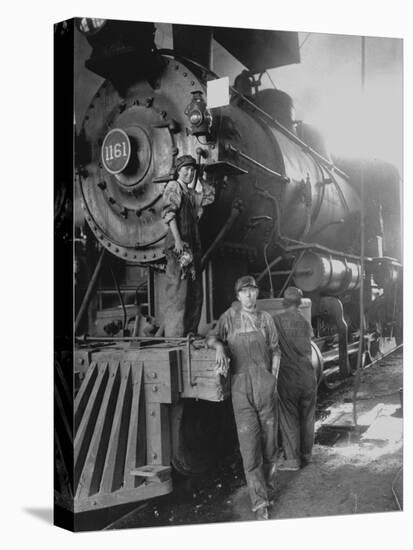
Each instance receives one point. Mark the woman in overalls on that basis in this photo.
(297, 383)
(252, 342)
(183, 203)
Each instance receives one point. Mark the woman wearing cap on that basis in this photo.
(297, 385)
(252, 343)
(182, 208)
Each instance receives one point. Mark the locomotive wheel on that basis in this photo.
(202, 433)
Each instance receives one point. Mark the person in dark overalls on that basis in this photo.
(252, 343)
(297, 384)
(182, 207)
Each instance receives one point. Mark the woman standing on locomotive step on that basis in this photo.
(252, 342)
(181, 211)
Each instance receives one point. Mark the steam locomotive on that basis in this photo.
(284, 210)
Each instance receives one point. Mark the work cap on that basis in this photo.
(292, 295)
(185, 160)
(244, 282)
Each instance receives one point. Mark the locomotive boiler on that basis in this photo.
(284, 210)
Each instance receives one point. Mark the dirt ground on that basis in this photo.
(354, 471)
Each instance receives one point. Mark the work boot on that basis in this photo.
(288, 465)
(306, 460)
(262, 513)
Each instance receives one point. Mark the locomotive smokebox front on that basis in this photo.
(133, 140)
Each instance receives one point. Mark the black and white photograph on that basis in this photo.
(206, 274)
(235, 222)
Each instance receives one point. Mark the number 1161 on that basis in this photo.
(115, 151)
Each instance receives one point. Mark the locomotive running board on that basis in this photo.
(110, 442)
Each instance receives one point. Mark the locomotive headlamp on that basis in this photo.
(198, 115)
(195, 118)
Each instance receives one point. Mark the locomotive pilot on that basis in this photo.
(297, 384)
(252, 342)
(183, 203)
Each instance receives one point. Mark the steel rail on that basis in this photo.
(333, 370)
